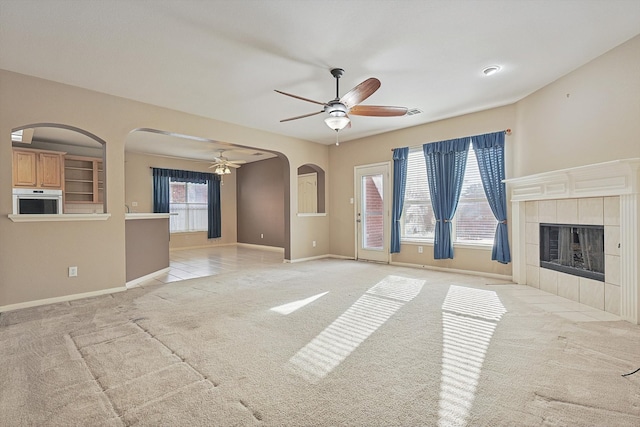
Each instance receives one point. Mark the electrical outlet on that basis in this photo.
(313, 243)
(73, 271)
(134, 204)
(419, 249)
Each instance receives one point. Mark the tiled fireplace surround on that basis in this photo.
(605, 194)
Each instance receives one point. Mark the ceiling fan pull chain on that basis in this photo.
(337, 142)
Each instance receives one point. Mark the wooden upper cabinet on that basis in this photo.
(24, 169)
(38, 168)
(50, 168)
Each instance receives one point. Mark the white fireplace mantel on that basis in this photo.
(615, 178)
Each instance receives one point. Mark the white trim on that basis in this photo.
(148, 215)
(312, 214)
(629, 258)
(311, 258)
(58, 217)
(348, 258)
(136, 282)
(186, 248)
(263, 247)
(54, 300)
(454, 270)
(615, 178)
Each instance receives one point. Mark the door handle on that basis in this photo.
(358, 220)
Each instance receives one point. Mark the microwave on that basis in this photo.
(37, 201)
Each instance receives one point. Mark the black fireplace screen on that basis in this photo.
(573, 249)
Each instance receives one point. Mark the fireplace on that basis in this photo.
(605, 194)
(573, 249)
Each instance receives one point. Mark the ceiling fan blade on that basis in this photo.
(233, 165)
(237, 162)
(301, 117)
(299, 97)
(377, 111)
(361, 92)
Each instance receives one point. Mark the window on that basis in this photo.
(418, 220)
(188, 203)
(473, 223)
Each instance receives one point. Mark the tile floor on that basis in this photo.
(193, 263)
(559, 306)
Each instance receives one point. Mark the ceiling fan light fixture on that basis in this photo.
(337, 122)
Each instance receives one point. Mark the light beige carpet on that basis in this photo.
(321, 343)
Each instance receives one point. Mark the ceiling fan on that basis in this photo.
(340, 108)
(222, 164)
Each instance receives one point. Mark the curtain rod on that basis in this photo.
(506, 131)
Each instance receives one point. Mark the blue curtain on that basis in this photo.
(446, 162)
(161, 179)
(161, 190)
(489, 149)
(400, 158)
(213, 195)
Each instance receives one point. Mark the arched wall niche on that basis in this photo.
(310, 170)
(83, 165)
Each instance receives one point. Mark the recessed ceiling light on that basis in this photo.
(492, 69)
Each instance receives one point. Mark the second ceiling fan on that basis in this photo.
(222, 164)
(340, 107)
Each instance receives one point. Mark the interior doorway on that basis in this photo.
(372, 212)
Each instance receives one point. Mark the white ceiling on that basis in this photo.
(224, 58)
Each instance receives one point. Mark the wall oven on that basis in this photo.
(37, 201)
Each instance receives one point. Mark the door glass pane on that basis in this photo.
(372, 212)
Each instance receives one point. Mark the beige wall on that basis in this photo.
(598, 121)
(589, 116)
(147, 246)
(346, 156)
(139, 188)
(34, 256)
(260, 202)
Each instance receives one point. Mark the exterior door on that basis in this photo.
(372, 212)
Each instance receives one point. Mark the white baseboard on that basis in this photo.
(201, 247)
(54, 300)
(135, 282)
(263, 247)
(454, 270)
(341, 257)
(318, 257)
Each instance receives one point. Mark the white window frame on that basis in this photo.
(187, 210)
(457, 243)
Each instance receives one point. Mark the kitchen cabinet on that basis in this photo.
(37, 168)
(83, 180)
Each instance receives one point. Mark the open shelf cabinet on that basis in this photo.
(83, 180)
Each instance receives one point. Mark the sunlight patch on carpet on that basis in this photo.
(295, 305)
(327, 350)
(469, 319)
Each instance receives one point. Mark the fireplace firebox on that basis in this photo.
(573, 249)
